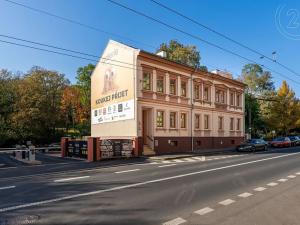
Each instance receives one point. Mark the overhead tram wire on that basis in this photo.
(73, 56)
(196, 37)
(69, 55)
(121, 36)
(93, 60)
(222, 35)
(69, 50)
(78, 23)
(60, 48)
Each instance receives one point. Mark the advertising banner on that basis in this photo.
(113, 86)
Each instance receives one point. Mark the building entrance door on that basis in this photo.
(147, 132)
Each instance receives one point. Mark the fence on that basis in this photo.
(77, 148)
(116, 148)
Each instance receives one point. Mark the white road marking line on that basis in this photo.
(127, 171)
(226, 202)
(139, 184)
(197, 158)
(166, 161)
(204, 211)
(260, 189)
(153, 163)
(8, 187)
(189, 160)
(298, 173)
(272, 184)
(215, 158)
(168, 165)
(209, 159)
(178, 160)
(176, 221)
(245, 195)
(291, 176)
(70, 179)
(282, 180)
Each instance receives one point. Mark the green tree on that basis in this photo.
(259, 82)
(38, 113)
(259, 86)
(8, 96)
(84, 84)
(186, 54)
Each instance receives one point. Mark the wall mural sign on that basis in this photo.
(114, 97)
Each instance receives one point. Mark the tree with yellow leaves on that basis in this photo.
(284, 112)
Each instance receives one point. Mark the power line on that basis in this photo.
(60, 48)
(222, 35)
(77, 23)
(195, 37)
(47, 45)
(93, 60)
(65, 54)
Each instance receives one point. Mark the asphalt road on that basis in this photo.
(261, 188)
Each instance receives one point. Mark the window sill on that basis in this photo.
(160, 93)
(147, 91)
(185, 98)
(160, 128)
(207, 102)
(173, 96)
(173, 129)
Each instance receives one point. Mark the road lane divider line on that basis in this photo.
(7, 187)
(298, 173)
(167, 165)
(204, 211)
(272, 184)
(291, 176)
(259, 189)
(127, 171)
(178, 160)
(282, 180)
(189, 160)
(175, 221)
(11, 208)
(70, 179)
(245, 195)
(227, 202)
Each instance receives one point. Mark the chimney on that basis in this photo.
(223, 73)
(162, 54)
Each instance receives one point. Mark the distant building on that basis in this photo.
(167, 106)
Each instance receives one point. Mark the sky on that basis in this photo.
(265, 26)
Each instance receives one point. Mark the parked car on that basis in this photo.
(281, 142)
(253, 145)
(295, 140)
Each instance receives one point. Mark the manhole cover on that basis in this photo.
(19, 220)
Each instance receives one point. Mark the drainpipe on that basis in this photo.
(192, 107)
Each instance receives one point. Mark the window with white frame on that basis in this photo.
(173, 86)
(160, 119)
(183, 118)
(147, 80)
(206, 122)
(220, 123)
(231, 124)
(197, 121)
(173, 122)
(160, 84)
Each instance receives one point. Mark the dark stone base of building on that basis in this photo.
(163, 145)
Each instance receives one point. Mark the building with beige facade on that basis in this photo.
(166, 106)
